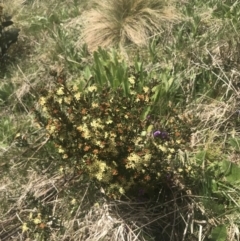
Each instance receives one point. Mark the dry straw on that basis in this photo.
(122, 22)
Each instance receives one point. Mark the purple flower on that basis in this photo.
(162, 134)
(156, 133)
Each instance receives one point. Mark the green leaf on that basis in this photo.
(235, 143)
(219, 233)
(233, 174)
(87, 73)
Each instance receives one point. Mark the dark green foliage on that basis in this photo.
(7, 36)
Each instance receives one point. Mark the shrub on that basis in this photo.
(101, 133)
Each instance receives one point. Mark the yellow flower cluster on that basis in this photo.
(97, 124)
(85, 132)
(133, 161)
(99, 170)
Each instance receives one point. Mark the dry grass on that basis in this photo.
(114, 22)
(83, 220)
(215, 120)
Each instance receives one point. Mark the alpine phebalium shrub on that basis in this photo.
(102, 133)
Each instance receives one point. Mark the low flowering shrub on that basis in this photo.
(103, 134)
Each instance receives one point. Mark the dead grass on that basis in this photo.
(84, 213)
(114, 22)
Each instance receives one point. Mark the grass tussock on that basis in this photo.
(113, 23)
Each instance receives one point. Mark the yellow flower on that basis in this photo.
(95, 105)
(59, 100)
(24, 227)
(131, 80)
(75, 88)
(145, 89)
(85, 131)
(97, 124)
(134, 157)
(100, 144)
(109, 121)
(80, 128)
(60, 150)
(77, 96)
(65, 156)
(112, 134)
(92, 88)
(37, 220)
(61, 169)
(147, 98)
(45, 109)
(105, 135)
(68, 100)
(147, 157)
(162, 148)
(130, 165)
(137, 99)
(99, 176)
(42, 101)
(60, 91)
(51, 128)
(121, 190)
